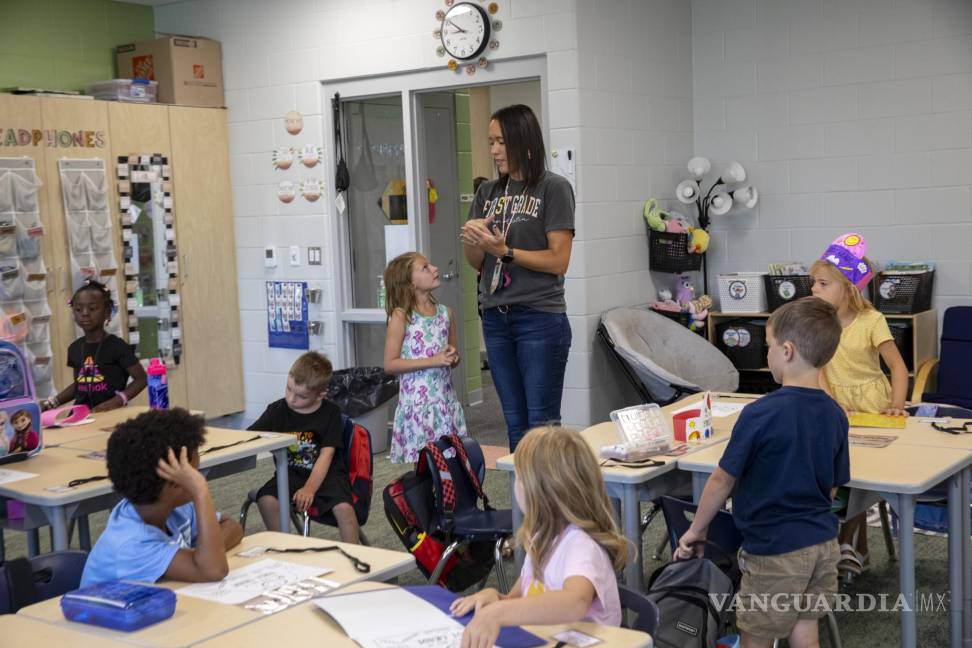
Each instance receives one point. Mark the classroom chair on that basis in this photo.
(724, 534)
(642, 612)
(662, 359)
(24, 581)
(359, 460)
(946, 379)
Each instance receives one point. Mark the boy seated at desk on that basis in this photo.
(318, 479)
(167, 525)
(786, 457)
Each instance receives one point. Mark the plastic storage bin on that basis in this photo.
(902, 293)
(782, 289)
(742, 292)
(744, 342)
(119, 605)
(135, 90)
(668, 252)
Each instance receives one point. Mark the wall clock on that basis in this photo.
(466, 31)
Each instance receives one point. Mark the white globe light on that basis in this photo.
(734, 173)
(746, 196)
(720, 204)
(698, 167)
(687, 191)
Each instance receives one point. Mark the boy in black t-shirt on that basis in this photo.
(317, 479)
(786, 457)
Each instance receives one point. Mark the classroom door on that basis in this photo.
(437, 154)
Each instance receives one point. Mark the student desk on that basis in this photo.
(631, 486)
(309, 621)
(898, 473)
(21, 631)
(196, 620)
(56, 467)
(102, 425)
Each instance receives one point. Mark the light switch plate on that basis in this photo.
(313, 256)
(295, 255)
(270, 256)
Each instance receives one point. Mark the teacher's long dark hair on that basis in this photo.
(525, 152)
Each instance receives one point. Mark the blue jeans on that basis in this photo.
(527, 351)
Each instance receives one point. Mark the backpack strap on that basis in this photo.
(20, 583)
(440, 465)
(456, 442)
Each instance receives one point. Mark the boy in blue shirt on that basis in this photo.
(786, 457)
(167, 524)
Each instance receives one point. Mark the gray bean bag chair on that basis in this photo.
(663, 359)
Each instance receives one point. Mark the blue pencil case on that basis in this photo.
(119, 605)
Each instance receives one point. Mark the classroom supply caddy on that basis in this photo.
(902, 292)
(782, 289)
(742, 292)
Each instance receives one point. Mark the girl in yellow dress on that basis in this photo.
(854, 377)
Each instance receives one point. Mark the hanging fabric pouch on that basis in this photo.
(342, 179)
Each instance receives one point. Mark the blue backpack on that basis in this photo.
(20, 420)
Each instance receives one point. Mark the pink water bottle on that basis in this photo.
(158, 385)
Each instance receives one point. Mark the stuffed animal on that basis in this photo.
(699, 242)
(666, 303)
(684, 290)
(698, 310)
(676, 225)
(654, 216)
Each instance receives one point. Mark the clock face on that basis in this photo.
(465, 30)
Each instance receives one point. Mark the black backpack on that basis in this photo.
(420, 507)
(689, 616)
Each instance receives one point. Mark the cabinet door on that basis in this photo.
(142, 129)
(69, 116)
(207, 259)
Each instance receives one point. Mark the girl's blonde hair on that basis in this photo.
(562, 484)
(853, 297)
(399, 290)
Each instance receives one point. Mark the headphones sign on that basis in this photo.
(52, 138)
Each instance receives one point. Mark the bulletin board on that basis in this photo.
(287, 315)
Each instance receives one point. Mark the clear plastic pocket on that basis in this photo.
(25, 192)
(101, 238)
(11, 285)
(97, 190)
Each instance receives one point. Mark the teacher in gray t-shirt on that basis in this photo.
(519, 236)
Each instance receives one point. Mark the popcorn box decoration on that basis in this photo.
(694, 425)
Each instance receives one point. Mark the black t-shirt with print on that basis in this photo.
(100, 368)
(546, 207)
(315, 431)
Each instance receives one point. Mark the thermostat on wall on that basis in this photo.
(270, 257)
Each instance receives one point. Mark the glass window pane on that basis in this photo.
(373, 131)
(369, 344)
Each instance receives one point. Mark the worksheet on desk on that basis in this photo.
(8, 476)
(407, 621)
(248, 582)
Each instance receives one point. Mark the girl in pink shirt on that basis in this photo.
(574, 549)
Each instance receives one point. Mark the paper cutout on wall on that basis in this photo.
(310, 155)
(294, 122)
(286, 191)
(283, 157)
(310, 189)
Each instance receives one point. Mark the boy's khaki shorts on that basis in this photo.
(791, 587)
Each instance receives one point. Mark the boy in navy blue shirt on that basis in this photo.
(786, 457)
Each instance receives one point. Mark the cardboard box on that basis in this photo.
(189, 70)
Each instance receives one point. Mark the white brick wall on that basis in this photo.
(862, 117)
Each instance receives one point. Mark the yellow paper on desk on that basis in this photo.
(870, 419)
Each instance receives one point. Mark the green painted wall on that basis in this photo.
(65, 44)
(470, 304)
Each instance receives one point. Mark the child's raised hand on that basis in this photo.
(466, 604)
(180, 471)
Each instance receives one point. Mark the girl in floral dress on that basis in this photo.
(420, 346)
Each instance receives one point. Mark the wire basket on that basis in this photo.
(668, 252)
(902, 293)
(782, 289)
(742, 292)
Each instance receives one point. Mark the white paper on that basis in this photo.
(251, 581)
(726, 409)
(8, 476)
(407, 621)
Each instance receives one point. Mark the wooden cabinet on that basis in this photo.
(209, 377)
(916, 335)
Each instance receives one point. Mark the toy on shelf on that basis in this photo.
(685, 301)
(684, 289)
(698, 310)
(666, 303)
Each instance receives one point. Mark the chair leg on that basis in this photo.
(305, 524)
(244, 510)
(33, 543)
(446, 555)
(84, 533)
(832, 630)
(886, 529)
(498, 562)
(649, 516)
(660, 549)
(362, 538)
